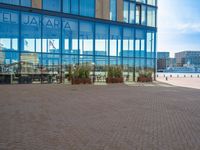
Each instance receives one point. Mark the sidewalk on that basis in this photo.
(182, 82)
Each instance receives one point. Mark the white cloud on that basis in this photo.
(188, 27)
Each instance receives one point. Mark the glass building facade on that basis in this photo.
(41, 39)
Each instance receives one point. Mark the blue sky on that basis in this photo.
(178, 25)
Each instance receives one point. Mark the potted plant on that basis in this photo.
(145, 76)
(115, 75)
(81, 75)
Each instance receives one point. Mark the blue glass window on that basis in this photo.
(150, 44)
(31, 32)
(152, 2)
(66, 6)
(9, 29)
(115, 41)
(53, 5)
(101, 64)
(70, 36)
(11, 58)
(132, 13)
(86, 38)
(126, 11)
(128, 42)
(141, 1)
(138, 14)
(144, 20)
(101, 40)
(74, 6)
(113, 10)
(26, 3)
(14, 2)
(140, 43)
(87, 8)
(51, 34)
(51, 64)
(151, 16)
(69, 60)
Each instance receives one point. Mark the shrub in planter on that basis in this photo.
(145, 76)
(115, 75)
(81, 75)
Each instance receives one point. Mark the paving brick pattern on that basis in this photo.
(112, 117)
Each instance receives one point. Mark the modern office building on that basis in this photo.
(162, 61)
(163, 55)
(188, 58)
(41, 39)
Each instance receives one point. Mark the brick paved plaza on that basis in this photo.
(112, 117)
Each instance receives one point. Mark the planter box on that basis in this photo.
(81, 81)
(144, 79)
(114, 80)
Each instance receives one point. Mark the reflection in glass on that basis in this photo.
(66, 6)
(128, 42)
(26, 3)
(87, 8)
(53, 5)
(51, 71)
(138, 14)
(101, 64)
(151, 16)
(143, 21)
(51, 34)
(115, 41)
(68, 63)
(126, 11)
(86, 38)
(113, 10)
(132, 13)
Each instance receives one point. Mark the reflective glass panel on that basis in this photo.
(113, 10)
(151, 16)
(126, 11)
(14, 2)
(86, 38)
(138, 14)
(26, 3)
(115, 41)
(132, 13)
(66, 6)
(70, 36)
(53, 5)
(51, 34)
(87, 8)
(128, 42)
(151, 2)
(31, 32)
(101, 40)
(74, 6)
(9, 29)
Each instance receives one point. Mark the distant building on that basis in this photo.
(163, 55)
(162, 61)
(171, 62)
(188, 58)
